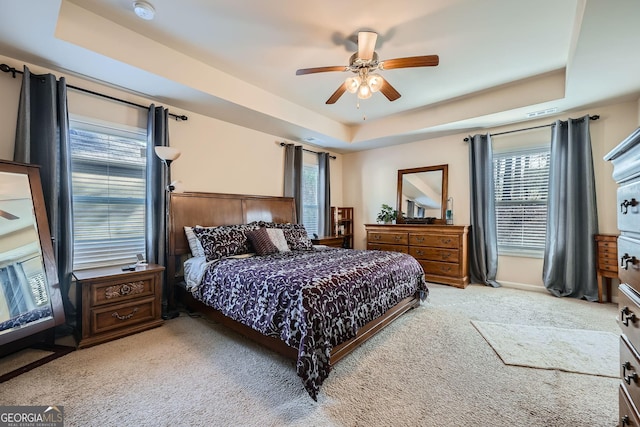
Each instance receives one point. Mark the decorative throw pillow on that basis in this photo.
(277, 238)
(194, 243)
(224, 241)
(295, 234)
(261, 242)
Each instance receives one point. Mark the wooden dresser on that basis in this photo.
(607, 268)
(114, 303)
(626, 172)
(440, 249)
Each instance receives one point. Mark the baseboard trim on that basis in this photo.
(535, 288)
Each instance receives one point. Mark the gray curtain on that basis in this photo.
(411, 208)
(324, 195)
(42, 138)
(293, 176)
(572, 218)
(157, 182)
(483, 239)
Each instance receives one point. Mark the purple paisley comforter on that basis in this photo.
(311, 300)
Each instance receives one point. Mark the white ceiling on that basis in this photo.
(236, 59)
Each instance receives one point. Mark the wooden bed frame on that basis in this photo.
(212, 209)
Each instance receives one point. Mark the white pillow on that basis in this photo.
(194, 244)
(276, 235)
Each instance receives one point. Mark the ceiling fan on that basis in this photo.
(364, 63)
(7, 215)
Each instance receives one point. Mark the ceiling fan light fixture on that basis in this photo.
(352, 84)
(364, 91)
(375, 82)
(144, 10)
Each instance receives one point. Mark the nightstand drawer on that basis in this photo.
(117, 291)
(123, 315)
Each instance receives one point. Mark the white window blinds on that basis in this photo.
(109, 176)
(521, 180)
(310, 203)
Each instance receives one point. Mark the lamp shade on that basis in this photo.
(168, 154)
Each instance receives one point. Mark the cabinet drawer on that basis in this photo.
(435, 254)
(628, 415)
(392, 248)
(630, 369)
(604, 247)
(629, 207)
(116, 291)
(629, 314)
(435, 240)
(387, 238)
(608, 264)
(440, 268)
(123, 315)
(629, 258)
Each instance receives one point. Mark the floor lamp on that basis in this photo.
(167, 155)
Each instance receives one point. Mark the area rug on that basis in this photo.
(569, 350)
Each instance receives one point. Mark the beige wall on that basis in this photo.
(216, 156)
(370, 179)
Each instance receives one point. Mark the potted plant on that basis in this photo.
(387, 214)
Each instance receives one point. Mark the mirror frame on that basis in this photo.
(49, 263)
(445, 186)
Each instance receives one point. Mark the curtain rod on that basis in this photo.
(13, 71)
(282, 144)
(594, 117)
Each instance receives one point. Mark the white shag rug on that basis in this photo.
(544, 347)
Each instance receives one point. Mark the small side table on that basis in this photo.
(607, 268)
(334, 241)
(114, 303)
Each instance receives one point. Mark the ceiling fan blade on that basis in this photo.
(303, 71)
(366, 44)
(389, 91)
(337, 94)
(412, 61)
(7, 215)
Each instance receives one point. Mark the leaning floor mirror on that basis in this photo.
(30, 300)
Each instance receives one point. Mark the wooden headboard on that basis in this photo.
(212, 209)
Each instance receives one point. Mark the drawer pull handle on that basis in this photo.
(626, 315)
(420, 239)
(624, 421)
(397, 238)
(445, 255)
(126, 317)
(419, 252)
(627, 378)
(624, 206)
(376, 237)
(626, 259)
(446, 241)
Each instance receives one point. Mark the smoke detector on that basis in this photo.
(144, 10)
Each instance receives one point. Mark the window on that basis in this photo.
(521, 179)
(310, 193)
(109, 179)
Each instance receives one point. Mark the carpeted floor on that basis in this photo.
(429, 368)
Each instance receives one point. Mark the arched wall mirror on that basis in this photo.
(422, 195)
(30, 300)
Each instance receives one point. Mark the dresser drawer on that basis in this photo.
(117, 291)
(628, 415)
(629, 314)
(440, 268)
(629, 258)
(393, 248)
(123, 315)
(434, 254)
(630, 369)
(434, 240)
(629, 207)
(376, 237)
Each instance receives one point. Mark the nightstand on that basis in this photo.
(115, 303)
(334, 241)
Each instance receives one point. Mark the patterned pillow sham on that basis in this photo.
(268, 241)
(295, 234)
(225, 240)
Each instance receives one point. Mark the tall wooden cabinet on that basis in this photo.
(440, 249)
(626, 172)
